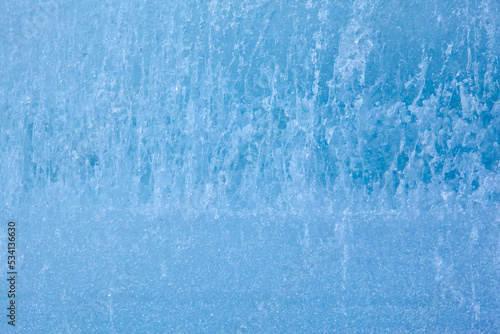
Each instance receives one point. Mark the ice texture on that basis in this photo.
(252, 166)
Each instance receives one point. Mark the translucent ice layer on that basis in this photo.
(259, 166)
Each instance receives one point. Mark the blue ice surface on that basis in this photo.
(252, 166)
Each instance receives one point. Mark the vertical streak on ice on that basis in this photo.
(340, 233)
(306, 235)
(475, 305)
(110, 309)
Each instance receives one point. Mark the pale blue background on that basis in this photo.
(252, 166)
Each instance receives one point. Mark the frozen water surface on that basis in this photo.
(252, 166)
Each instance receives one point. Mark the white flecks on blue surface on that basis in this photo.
(252, 166)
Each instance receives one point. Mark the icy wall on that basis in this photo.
(253, 166)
